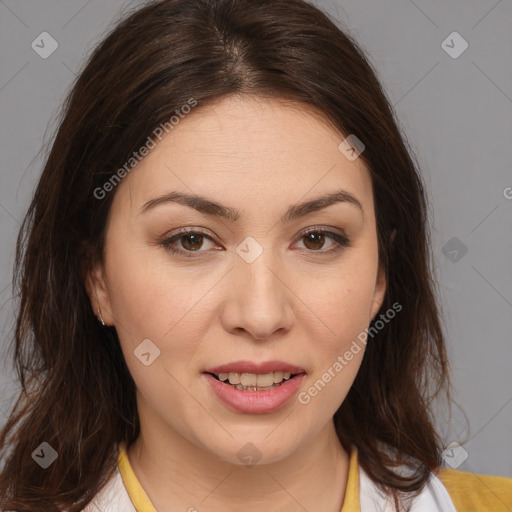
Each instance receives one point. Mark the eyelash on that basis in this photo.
(340, 240)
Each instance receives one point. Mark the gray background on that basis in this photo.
(455, 112)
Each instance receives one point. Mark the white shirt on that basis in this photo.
(434, 497)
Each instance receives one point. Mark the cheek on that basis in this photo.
(342, 301)
(151, 301)
(342, 305)
(147, 296)
(133, 297)
(338, 344)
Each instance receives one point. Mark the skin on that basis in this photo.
(294, 303)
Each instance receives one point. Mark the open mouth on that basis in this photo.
(254, 382)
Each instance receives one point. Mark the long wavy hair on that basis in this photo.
(76, 391)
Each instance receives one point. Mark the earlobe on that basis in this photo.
(98, 294)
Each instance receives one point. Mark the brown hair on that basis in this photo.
(77, 393)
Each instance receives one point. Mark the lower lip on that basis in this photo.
(255, 402)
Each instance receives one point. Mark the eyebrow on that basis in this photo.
(209, 207)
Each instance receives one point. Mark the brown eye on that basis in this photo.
(188, 243)
(192, 241)
(315, 240)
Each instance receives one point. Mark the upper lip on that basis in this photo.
(258, 368)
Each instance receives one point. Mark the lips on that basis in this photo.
(252, 401)
(246, 366)
(253, 394)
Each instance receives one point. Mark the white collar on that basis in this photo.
(113, 497)
(434, 497)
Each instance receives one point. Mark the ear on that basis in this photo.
(97, 291)
(381, 282)
(379, 292)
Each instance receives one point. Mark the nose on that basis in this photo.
(260, 299)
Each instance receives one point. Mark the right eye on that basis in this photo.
(191, 242)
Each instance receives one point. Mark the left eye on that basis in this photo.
(315, 240)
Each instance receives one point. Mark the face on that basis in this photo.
(266, 281)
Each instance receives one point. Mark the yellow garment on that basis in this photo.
(351, 500)
(477, 493)
(137, 494)
(469, 492)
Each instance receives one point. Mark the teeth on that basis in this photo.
(278, 377)
(248, 379)
(265, 380)
(234, 377)
(254, 380)
(254, 388)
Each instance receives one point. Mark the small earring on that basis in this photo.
(101, 317)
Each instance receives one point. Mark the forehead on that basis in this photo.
(250, 149)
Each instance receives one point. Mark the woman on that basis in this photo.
(226, 294)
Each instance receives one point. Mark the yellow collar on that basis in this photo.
(137, 494)
(142, 502)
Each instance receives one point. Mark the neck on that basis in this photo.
(178, 475)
